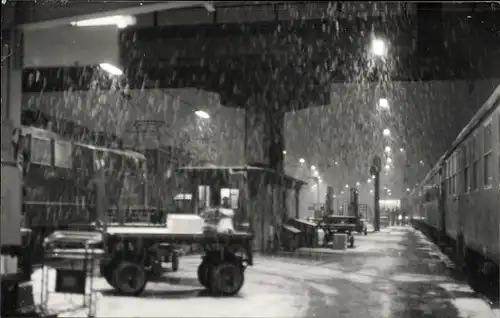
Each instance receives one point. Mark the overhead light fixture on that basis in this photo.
(111, 69)
(209, 7)
(202, 114)
(121, 21)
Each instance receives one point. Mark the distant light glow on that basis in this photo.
(284, 152)
(386, 132)
(401, 150)
(111, 69)
(313, 167)
(369, 180)
(387, 167)
(316, 173)
(407, 189)
(378, 47)
(358, 184)
(347, 186)
(302, 160)
(389, 160)
(202, 114)
(383, 103)
(387, 149)
(336, 163)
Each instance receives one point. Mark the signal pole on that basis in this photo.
(375, 171)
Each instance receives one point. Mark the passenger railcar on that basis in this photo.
(460, 197)
(61, 184)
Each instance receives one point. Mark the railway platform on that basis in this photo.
(393, 273)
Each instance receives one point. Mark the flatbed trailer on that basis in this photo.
(129, 257)
(340, 224)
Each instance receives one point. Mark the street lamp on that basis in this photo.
(379, 48)
(386, 132)
(202, 114)
(383, 103)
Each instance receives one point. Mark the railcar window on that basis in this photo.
(465, 162)
(62, 154)
(488, 152)
(41, 151)
(475, 165)
(455, 170)
(448, 175)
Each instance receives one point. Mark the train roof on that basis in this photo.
(121, 152)
(488, 107)
(43, 133)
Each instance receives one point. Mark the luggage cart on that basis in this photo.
(74, 270)
(129, 256)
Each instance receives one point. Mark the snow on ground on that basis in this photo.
(375, 279)
(180, 295)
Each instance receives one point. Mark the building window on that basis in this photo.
(63, 154)
(41, 151)
(488, 152)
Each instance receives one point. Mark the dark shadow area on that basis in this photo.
(184, 281)
(485, 286)
(434, 300)
(170, 294)
(419, 299)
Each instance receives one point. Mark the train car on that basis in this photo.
(473, 186)
(60, 188)
(460, 198)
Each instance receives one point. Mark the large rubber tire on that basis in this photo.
(204, 274)
(227, 279)
(126, 271)
(175, 261)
